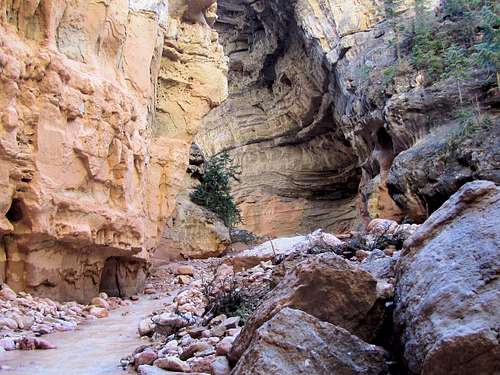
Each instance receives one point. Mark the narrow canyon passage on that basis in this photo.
(95, 348)
(250, 187)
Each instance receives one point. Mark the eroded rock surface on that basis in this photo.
(327, 287)
(448, 291)
(97, 121)
(193, 232)
(329, 142)
(294, 342)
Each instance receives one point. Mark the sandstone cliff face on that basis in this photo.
(99, 103)
(193, 231)
(321, 139)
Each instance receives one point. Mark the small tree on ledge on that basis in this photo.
(214, 192)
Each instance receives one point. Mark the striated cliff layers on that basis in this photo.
(99, 102)
(323, 137)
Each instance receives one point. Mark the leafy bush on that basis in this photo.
(427, 44)
(472, 39)
(487, 52)
(214, 192)
(456, 63)
(459, 8)
(225, 296)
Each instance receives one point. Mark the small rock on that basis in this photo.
(9, 323)
(172, 364)
(205, 353)
(25, 322)
(183, 279)
(145, 358)
(100, 302)
(172, 344)
(206, 334)
(195, 332)
(43, 344)
(184, 270)
(330, 239)
(218, 331)
(7, 343)
(201, 364)
(362, 254)
(213, 340)
(146, 327)
(220, 366)
(171, 320)
(382, 226)
(234, 331)
(194, 348)
(103, 295)
(7, 293)
(152, 370)
(232, 322)
(224, 347)
(135, 297)
(99, 312)
(218, 320)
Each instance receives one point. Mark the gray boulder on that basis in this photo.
(448, 289)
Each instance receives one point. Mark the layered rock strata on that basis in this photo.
(323, 138)
(99, 103)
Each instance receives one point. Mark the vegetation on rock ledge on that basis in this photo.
(214, 192)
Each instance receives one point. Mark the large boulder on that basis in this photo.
(194, 232)
(327, 287)
(294, 342)
(281, 247)
(448, 290)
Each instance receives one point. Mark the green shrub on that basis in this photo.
(459, 8)
(214, 192)
(428, 46)
(487, 51)
(456, 63)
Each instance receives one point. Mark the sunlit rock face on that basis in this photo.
(99, 102)
(322, 141)
(298, 169)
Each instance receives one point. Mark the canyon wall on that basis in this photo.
(323, 137)
(99, 103)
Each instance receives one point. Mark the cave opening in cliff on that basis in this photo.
(15, 212)
(122, 276)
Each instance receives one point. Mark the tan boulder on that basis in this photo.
(327, 287)
(184, 269)
(194, 232)
(284, 344)
(172, 364)
(382, 226)
(100, 302)
(7, 293)
(99, 312)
